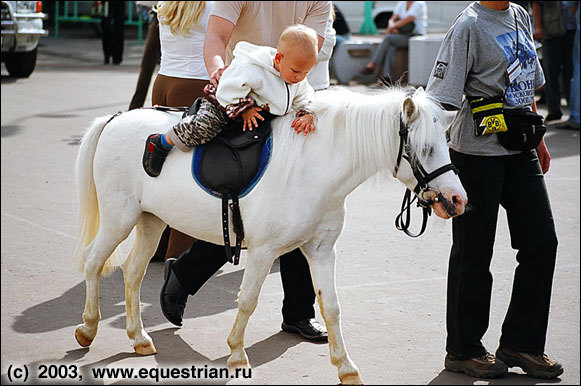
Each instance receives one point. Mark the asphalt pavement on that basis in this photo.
(391, 288)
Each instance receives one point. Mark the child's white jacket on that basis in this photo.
(252, 74)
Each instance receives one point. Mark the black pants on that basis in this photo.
(203, 260)
(150, 59)
(113, 31)
(517, 183)
(558, 64)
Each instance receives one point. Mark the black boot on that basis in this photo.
(154, 155)
(173, 296)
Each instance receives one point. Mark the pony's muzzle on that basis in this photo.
(448, 205)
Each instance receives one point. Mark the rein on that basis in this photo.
(402, 221)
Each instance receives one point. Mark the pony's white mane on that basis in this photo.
(370, 122)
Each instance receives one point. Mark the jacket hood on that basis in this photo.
(262, 56)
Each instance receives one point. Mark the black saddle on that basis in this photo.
(228, 165)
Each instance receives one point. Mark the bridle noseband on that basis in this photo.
(422, 187)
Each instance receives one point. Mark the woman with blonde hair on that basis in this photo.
(182, 75)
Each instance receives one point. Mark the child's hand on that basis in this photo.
(304, 124)
(249, 117)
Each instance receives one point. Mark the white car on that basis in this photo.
(22, 28)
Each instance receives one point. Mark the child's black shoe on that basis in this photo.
(154, 155)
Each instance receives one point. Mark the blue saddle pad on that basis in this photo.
(198, 155)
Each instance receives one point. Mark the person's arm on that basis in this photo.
(400, 23)
(392, 20)
(317, 17)
(542, 150)
(217, 37)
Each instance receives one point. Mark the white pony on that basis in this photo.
(298, 203)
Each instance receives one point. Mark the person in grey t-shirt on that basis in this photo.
(475, 59)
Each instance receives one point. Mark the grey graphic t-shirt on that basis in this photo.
(473, 60)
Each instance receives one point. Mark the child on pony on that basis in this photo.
(259, 78)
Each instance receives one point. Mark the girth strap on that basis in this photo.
(238, 227)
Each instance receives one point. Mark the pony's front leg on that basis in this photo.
(321, 260)
(257, 267)
(147, 234)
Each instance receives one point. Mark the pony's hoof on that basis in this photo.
(81, 338)
(351, 379)
(238, 365)
(145, 349)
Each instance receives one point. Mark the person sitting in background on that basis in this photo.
(409, 18)
(250, 84)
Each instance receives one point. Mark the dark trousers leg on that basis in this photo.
(552, 60)
(150, 59)
(117, 12)
(469, 278)
(199, 264)
(567, 74)
(299, 295)
(204, 259)
(517, 183)
(106, 38)
(533, 235)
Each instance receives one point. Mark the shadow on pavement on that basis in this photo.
(218, 295)
(180, 355)
(449, 378)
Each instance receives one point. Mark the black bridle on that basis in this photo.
(402, 221)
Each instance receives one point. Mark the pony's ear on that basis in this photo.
(419, 90)
(409, 109)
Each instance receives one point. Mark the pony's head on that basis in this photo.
(423, 161)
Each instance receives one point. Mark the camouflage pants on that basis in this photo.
(200, 128)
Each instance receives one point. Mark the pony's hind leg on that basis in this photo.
(147, 234)
(110, 235)
(257, 267)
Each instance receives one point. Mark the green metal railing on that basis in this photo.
(70, 13)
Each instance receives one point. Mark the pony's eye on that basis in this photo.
(428, 151)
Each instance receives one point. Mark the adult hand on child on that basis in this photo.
(216, 75)
(249, 117)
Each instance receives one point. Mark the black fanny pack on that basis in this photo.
(525, 129)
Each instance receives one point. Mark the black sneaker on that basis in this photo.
(537, 366)
(486, 366)
(154, 155)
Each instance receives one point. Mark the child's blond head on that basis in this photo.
(299, 37)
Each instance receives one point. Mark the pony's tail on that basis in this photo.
(89, 218)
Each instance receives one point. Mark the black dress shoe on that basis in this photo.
(553, 117)
(311, 329)
(173, 296)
